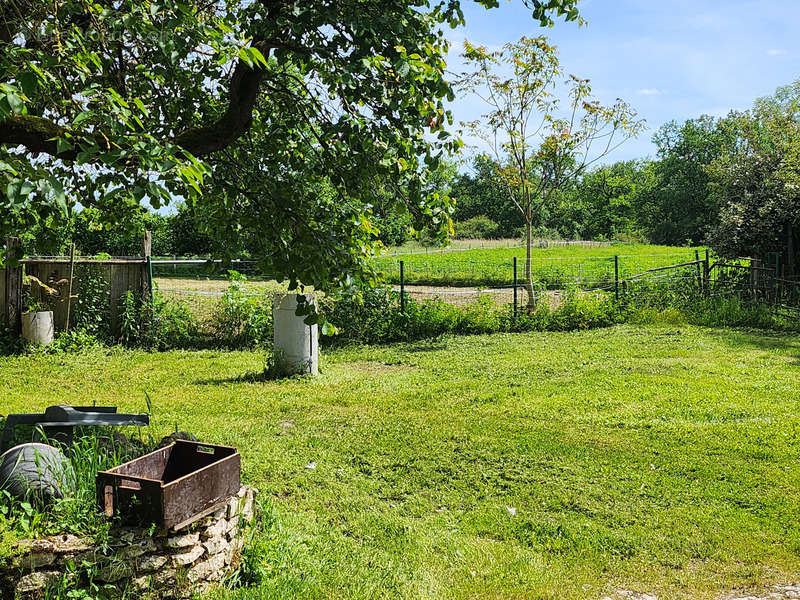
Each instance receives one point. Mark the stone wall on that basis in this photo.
(134, 560)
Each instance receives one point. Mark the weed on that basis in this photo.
(242, 319)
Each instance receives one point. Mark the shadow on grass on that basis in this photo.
(264, 376)
(787, 343)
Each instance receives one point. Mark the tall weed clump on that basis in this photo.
(374, 316)
(242, 318)
(163, 325)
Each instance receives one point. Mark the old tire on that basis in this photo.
(36, 470)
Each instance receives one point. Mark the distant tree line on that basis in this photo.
(731, 182)
(173, 234)
(667, 200)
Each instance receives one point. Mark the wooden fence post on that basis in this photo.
(147, 283)
(14, 285)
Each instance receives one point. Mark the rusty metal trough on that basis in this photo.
(171, 487)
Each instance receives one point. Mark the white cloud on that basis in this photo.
(649, 92)
(775, 52)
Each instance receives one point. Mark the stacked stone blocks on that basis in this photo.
(154, 564)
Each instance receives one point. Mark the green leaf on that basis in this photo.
(16, 103)
(58, 195)
(63, 145)
(28, 82)
(82, 117)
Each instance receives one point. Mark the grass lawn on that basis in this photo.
(554, 267)
(553, 465)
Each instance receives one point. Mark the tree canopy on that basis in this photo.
(756, 182)
(275, 118)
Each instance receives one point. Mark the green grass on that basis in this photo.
(554, 267)
(659, 459)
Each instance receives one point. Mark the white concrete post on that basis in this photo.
(296, 344)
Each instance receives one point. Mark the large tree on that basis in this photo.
(540, 145)
(112, 104)
(756, 183)
(479, 193)
(680, 207)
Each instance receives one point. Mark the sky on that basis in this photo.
(674, 59)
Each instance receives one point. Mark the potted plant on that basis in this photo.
(38, 325)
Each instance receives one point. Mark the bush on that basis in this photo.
(585, 311)
(75, 340)
(374, 316)
(476, 228)
(242, 318)
(164, 325)
(92, 308)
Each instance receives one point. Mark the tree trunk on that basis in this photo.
(528, 271)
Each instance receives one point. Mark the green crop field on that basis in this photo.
(554, 268)
(658, 459)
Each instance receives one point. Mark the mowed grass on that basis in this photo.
(555, 267)
(552, 465)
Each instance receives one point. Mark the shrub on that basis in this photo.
(374, 316)
(10, 343)
(242, 318)
(164, 325)
(735, 312)
(476, 228)
(92, 308)
(368, 317)
(173, 326)
(584, 311)
(75, 340)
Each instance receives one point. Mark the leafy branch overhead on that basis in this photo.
(110, 105)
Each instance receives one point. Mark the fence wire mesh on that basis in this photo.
(200, 285)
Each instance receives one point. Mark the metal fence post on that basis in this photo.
(707, 275)
(71, 278)
(402, 288)
(616, 277)
(515, 287)
(699, 276)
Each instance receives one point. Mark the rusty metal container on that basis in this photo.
(171, 487)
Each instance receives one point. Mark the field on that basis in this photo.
(554, 465)
(554, 267)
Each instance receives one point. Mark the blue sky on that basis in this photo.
(673, 59)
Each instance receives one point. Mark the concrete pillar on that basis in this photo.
(296, 344)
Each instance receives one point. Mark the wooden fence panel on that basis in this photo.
(118, 277)
(3, 308)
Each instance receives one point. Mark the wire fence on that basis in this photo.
(481, 244)
(200, 284)
(553, 273)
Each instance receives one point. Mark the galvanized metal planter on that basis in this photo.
(59, 421)
(171, 487)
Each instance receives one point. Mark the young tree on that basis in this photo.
(538, 147)
(112, 104)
